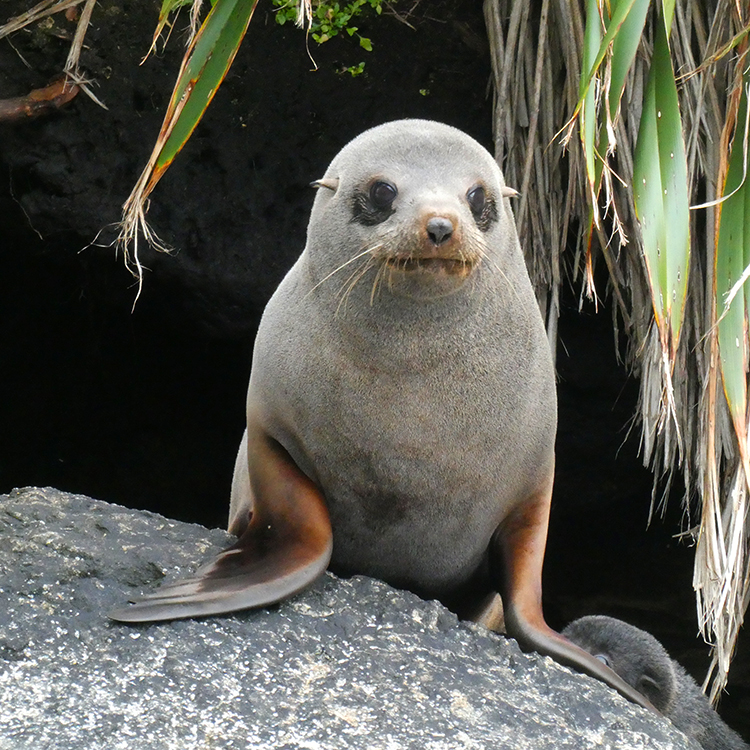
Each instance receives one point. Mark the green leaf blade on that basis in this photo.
(212, 53)
(729, 267)
(667, 7)
(624, 48)
(661, 194)
(623, 32)
(592, 42)
(648, 204)
(732, 257)
(620, 13)
(674, 180)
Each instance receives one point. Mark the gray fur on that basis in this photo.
(643, 663)
(425, 409)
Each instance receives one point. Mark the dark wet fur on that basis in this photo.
(643, 663)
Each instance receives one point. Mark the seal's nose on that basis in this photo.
(439, 229)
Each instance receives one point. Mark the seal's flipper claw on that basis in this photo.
(285, 547)
(516, 558)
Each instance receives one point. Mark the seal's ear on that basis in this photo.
(508, 192)
(332, 183)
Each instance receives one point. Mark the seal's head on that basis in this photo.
(632, 653)
(417, 205)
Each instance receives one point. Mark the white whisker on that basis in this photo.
(336, 270)
(355, 278)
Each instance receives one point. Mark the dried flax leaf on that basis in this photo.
(532, 103)
(72, 71)
(723, 586)
(534, 110)
(73, 76)
(39, 11)
(723, 593)
(711, 439)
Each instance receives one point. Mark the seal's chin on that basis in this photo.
(421, 278)
(456, 267)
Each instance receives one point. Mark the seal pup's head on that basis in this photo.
(644, 664)
(414, 206)
(632, 653)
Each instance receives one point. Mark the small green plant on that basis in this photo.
(329, 19)
(355, 70)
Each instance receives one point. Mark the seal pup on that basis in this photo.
(645, 664)
(401, 412)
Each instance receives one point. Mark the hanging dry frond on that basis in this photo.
(39, 11)
(649, 148)
(723, 586)
(74, 80)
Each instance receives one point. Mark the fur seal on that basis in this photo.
(401, 412)
(644, 663)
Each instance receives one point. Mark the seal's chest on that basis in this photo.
(403, 465)
(415, 519)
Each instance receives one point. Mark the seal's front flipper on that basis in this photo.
(285, 547)
(516, 558)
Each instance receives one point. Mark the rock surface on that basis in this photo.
(348, 663)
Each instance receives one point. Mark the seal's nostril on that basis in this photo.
(439, 229)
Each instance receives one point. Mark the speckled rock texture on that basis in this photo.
(347, 664)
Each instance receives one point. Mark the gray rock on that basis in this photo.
(347, 664)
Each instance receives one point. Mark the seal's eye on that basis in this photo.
(476, 197)
(382, 194)
(374, 204)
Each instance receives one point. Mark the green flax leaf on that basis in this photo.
(623, 32)
(624, 47)
(592, 42)
(620, 13)
(668, 11)
(661, 194)
(204, 68)
(732, 257)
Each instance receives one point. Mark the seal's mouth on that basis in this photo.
(443, 266)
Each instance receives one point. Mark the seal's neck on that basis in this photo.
(410, 318)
